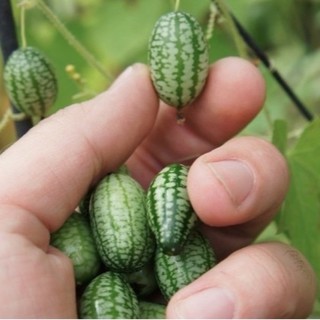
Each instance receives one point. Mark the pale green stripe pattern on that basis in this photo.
(109, 296)
(30, 81)
(178, 57)
(175, 272)
(152, 310)
(170, 214)
(75, 239)
(119, 223)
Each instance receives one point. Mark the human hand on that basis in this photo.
(235, 187)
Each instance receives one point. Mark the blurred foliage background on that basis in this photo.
(116, 32)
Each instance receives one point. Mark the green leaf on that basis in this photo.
(300, 215)
(279, 135)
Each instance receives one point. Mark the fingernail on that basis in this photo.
(236, 177)
(137, 67)
(213, 303)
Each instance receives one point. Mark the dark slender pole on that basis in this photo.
(275, 73)
(9, 43)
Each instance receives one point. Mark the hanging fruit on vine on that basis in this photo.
(178, 57)
(30, 81)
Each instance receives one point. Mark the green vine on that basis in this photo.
(23, 24)
(177, 5)
(213, 17)
(239, 43)
(73, 41)
(5, 119)
(9, 115)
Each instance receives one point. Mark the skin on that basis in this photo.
(44, 175)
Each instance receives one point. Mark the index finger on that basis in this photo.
(49, 169)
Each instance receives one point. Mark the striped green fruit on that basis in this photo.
(175, 272)
(119, 223)
(75, 239)
(170, 214)
(30, 81)
(152, 310)
(109, 296)
(178, 58)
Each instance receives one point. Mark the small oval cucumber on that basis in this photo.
(30, 81)
(170, 214)
(151, 310)
(175, 272)
(119, 223)
(109, 296)
(178, 58)
(75, 239)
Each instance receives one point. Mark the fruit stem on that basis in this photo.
(180, 117)
(72, 40)
(23, 26)
(176, 8)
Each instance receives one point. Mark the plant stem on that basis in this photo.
(9, 43)
(263, 57)
(72, 40)
(214, 14)
(177, 5)
(5, 119)
(240, 45)
(23, 26)
(242, 37)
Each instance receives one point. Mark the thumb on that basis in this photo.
(262, 281)
(58, 159)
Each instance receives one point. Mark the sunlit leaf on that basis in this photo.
(300, 217)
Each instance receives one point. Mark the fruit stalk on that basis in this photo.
(177, 5)
(9, 43)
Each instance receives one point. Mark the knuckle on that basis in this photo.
(288, 276)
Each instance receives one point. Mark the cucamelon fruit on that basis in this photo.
(30, 81)
(169, 211)
(75, 240)
(175, 272)
(109, 296)
(178, 58)
(119, 223)
(123, 169)
(152, 310)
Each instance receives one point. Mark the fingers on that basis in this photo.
(47, 170)
(238, 186)
(233, 95)
(269, 280)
